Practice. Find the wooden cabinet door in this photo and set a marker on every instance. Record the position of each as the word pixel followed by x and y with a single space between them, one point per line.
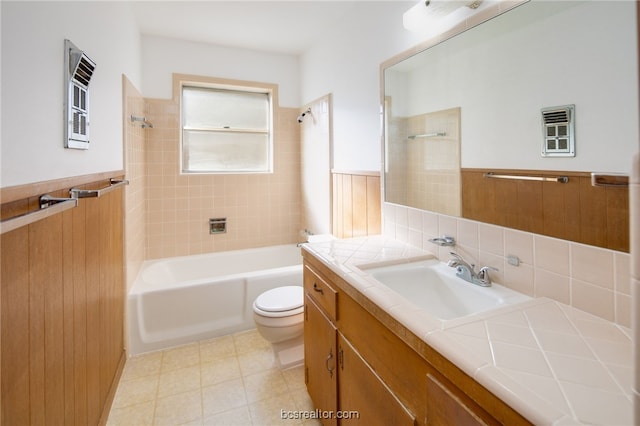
pixel 363 397
pixel 320 359
pixel 445 407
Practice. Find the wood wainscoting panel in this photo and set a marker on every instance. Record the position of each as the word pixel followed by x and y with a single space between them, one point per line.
pixel 575 210
pixel 62 315
pixel 356 204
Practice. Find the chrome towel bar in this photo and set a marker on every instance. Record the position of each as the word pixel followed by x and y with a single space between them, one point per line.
pixel 428 135
pixel 48 207
pixel 560 179
pixel 93 193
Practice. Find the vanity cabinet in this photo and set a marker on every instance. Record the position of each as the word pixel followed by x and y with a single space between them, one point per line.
pixel 340 382
pixel 384 372
pixel 363 397
pixel 446 407
pixel 320 357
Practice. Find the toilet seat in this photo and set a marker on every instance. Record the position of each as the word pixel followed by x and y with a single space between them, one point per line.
pixel 280 302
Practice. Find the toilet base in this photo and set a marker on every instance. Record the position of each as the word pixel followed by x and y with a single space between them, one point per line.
pixel 290 353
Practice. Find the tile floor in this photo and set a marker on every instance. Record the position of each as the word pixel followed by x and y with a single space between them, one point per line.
pixel 231 380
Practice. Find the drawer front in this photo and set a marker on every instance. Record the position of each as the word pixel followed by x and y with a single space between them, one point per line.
pixel 320 291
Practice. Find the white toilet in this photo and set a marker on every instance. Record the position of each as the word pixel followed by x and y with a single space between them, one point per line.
pixel 279 316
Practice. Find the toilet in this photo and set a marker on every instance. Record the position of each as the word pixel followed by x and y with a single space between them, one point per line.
pixel 279 315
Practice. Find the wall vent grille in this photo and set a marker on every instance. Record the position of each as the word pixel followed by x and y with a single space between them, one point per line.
pixel 78 72
pixel 558 131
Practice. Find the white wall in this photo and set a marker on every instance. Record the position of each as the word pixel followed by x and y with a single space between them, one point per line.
pixel 346 64
pixel 161 57
pixel 542 54
pixel 33 36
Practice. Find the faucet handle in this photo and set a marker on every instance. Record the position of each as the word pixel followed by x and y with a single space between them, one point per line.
pixel 483 274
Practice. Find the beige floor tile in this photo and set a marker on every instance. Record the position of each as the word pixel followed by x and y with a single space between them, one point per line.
pixel 256 361
pixel 295 378
pixel 235 417
pixel 231 380
pixel 223 397
pixel 218 371
pixel 142 365
pixel 138 414
pixel 179 409
pixel 264 385
pixel 181 356
pixel 136 391
pixel 248 341
pixel 215 349
pixel 274 411
pixel 302 400
pixel 177 381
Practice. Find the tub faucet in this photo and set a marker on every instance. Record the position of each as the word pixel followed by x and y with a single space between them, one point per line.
pixel 467 271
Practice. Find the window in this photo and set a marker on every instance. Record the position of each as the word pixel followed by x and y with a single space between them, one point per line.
pixel 226 130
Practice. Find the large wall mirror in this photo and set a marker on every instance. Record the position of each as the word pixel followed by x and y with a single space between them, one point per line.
pixel 476 103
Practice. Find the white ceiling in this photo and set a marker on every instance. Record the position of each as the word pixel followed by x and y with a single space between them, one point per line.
pixel 288 27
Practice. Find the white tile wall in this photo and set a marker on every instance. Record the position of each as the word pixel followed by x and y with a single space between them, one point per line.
pixel 589 278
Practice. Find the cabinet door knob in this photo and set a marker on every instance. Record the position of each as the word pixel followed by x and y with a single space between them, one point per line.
pixel 326 364
pixel 317 288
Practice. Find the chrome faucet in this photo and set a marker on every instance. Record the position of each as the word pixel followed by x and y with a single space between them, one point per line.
pixel 467 271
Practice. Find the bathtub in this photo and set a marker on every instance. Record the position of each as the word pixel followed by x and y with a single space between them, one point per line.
pixel 184 299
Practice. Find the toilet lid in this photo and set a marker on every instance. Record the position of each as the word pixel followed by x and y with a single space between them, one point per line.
pixel 281 299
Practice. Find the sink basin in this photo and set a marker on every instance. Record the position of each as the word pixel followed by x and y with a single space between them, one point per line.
pixel 433 286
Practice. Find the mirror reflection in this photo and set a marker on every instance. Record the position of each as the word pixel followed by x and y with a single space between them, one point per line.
pixel 477 100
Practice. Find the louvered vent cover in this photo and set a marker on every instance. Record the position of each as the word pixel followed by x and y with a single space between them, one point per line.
pixel 558 131
pixel 78 72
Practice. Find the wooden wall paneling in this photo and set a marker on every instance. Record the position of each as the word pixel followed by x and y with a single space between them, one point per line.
pixel 478 198
pixel 359 203
pixel 592 214
pixel 46 286
pixel 347 206
pixel 337 205
pixel 506 209
pixel 37 269
pixel 79 278
pixel 113 299
pixel 15 328
pixel 356 204
pixel 103 227
pixel 570 210
pixel 575 211
pixel 68 317
pixel 555 210
pixel 92 248
pixel 618 218
pixel 374 203
pixel 529 206
pixel 62 311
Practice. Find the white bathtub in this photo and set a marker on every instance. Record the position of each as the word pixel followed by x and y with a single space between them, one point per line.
pixel 183 299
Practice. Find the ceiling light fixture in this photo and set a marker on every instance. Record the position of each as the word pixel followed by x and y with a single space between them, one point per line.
pixel 433 17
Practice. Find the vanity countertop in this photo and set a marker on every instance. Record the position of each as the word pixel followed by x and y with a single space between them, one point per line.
pixel 554 364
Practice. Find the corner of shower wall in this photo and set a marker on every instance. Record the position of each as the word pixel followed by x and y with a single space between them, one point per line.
pixel 135 192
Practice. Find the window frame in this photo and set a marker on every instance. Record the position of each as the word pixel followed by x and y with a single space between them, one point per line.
pixel 228 85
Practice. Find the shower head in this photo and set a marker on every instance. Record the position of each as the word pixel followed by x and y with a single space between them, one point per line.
pixel 301 116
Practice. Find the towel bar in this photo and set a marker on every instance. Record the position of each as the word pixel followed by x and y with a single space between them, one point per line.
pixel 48 207
pixel 560 179
pixel 93 193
